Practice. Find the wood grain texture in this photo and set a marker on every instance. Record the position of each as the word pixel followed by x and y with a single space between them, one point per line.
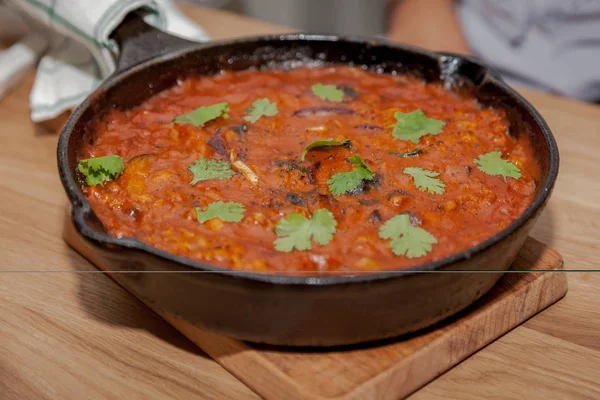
pixel 389 370
pixel 71 336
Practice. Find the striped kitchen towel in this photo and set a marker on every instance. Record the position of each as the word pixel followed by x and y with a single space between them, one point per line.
pixel 72 39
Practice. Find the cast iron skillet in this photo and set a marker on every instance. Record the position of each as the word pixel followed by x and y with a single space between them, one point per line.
pixel 297 310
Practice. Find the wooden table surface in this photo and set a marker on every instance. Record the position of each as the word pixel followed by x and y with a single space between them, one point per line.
pixel 66 335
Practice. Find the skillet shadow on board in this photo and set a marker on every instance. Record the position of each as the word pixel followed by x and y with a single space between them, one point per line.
pixel 106 301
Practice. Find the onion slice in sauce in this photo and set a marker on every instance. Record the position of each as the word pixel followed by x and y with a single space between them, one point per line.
pixel 242 168
pixel 323 111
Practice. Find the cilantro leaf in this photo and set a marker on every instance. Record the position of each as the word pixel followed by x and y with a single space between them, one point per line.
pixel 293 232
pixel 227 212
pixel 260 108
pixel 358 162
pixel 323 226
pixel 328 92
pixel 493 164
pixel 202 115
pixel 296 231
pixel 204 170
pixel 406 239
pixel 411 126
pixel 98 170
pixel 425 180
pixel 323 143
pixel 343 182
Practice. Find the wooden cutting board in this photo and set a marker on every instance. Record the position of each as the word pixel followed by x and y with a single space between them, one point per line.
pixel 387 370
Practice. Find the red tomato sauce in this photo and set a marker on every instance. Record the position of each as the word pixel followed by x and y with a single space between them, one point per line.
pixel 153 200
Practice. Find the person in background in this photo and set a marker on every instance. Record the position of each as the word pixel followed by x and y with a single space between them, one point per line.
pixel 553 45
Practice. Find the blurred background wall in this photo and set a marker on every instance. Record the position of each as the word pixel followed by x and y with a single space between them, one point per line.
pixel 360 17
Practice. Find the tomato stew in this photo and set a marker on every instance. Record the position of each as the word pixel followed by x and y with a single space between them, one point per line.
pixel 452 201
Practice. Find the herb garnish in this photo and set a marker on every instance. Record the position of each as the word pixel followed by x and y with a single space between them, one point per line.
pixel 425 180
pixel 323 143
pixel 296 231
pixel 98 170
pixel 202 115
pixel 261 108
pixel 410 154
pixel 493 164
pixel 328 92
pixel 406 239
pixel 227 212
pixel 343 182
pixel 205 170
pixel 411 126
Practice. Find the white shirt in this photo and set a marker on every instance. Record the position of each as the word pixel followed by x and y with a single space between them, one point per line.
pixel 549 44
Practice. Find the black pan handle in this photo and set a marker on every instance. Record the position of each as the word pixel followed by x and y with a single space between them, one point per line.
pixel 138 41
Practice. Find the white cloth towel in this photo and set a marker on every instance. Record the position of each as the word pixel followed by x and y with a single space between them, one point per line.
pixel 70 38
